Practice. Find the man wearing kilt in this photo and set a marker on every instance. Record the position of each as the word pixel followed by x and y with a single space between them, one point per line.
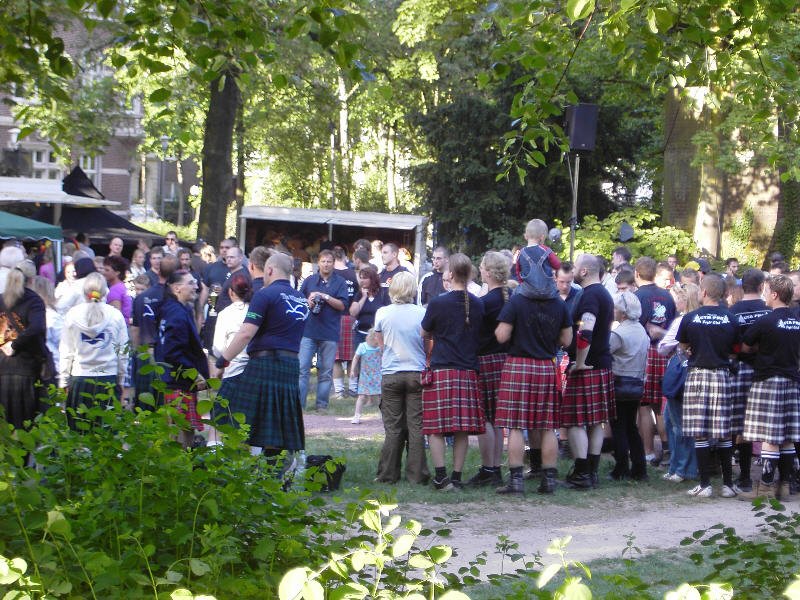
pixel 494 269
pixel 268 390
pixel 658 310
pixel 708 335
pixel 589 391
pixel 773 406
pixel 346 348
pixel 746 311
pixel 530 393
pixel 451 404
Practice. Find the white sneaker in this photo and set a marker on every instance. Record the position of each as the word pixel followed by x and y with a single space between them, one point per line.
pixel 701 492
pixel 355 420
pixel 673 477
pixel 727 492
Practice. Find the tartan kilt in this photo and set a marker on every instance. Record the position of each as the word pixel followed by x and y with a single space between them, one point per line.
pixel 452 403
pixel 654 375
pixel 773 411
pixel 19 399
pixel 707 404
pixel 588 398
pixel 84 388
pixel 490 368
pixel 267 393
pixel 529 395
pixel 345 350
pixel 740 389
pixel 186 403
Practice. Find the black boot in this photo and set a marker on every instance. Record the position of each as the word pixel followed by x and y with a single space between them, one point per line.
pixel 548 484
pixel 516 483
pixel 535 462
pixel 484 477
pixel 594 469
pixel 579 477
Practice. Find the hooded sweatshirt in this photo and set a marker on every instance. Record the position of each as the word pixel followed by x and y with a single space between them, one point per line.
pixel 93 350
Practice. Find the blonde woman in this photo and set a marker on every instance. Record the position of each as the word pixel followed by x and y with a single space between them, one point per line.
pixel 22 346
pixel 92 359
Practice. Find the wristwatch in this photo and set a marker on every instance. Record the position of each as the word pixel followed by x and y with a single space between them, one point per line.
pixel 326 297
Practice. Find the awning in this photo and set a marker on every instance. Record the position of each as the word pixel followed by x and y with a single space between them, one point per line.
pixel 21 228
pixel 333 217
pixel 43 191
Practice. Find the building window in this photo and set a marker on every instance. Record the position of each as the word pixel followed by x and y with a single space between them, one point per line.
pixel 91 166
pixel 45 165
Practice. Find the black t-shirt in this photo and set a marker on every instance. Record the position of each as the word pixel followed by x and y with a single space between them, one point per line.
pixel 658 307
pixel 537 325
pixel 455 344
pixel 493 303
pixel 777 335
pixel 711 333
pixel 597 301
pixel 366 317
pixel 746 312
pixel 224 300
pixel 386 280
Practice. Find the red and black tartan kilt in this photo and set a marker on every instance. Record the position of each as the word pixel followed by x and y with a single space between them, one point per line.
pixel 186 403
pixel 656 365
pixel 530 394
pixel 490 368
pixel 588 398
pixel 345 350
pixel 452 403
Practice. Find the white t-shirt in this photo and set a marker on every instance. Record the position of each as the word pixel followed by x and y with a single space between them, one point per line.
pixel 229 322
pixel 402 342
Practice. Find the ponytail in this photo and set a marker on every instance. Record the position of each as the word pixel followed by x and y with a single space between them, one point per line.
pixel 15 288
pixel 94 290
pixel 466 307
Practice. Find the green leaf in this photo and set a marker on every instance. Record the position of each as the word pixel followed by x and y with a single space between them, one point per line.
pixel 104 7
pixel 454 595
pixel 204 406
pixel 199 567
pixel 579 9
pixel 372 519
pixel 159 95
pixel 180 18
pixel 440 554
pixel 349 591
pixel 327 37
pixel 418 561
pixel 576 590
pixel 57 524
pixel 291 585
pixel 547 574
pixel 402 545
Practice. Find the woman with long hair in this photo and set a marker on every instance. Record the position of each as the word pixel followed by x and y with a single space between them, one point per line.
pixel 452 403
pixel 92 356
pixel 495 270
pixel 178 345
pixel 55 321
pixel 23 328
pixel 403 360
pixel 229 322
pixel 363 310
pixel 682 459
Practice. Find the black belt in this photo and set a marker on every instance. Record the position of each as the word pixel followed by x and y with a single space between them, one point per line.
pixel 273 353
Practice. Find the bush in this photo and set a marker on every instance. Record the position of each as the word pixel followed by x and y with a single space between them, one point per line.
pixel 121 510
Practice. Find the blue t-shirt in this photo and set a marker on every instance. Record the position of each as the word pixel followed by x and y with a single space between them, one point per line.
pixel 537 325
pixel 493 303
pixel 145 306
pixel 658 307
pixel 216 273
pixel 455 344
pixel 324 325
pixel 279 311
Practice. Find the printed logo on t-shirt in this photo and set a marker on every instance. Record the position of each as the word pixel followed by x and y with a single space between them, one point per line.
pixel 101 340
pixel 749 317
pixel 707 319
pixel 295 306
pixel 659 313
pixel 789 324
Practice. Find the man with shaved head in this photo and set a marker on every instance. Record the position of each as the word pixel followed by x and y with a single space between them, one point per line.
pixel 589 393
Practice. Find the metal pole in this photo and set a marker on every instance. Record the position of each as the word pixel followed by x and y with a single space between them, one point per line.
pixel 573 221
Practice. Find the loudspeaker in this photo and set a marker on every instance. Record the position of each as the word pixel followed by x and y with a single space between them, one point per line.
pixel 582 126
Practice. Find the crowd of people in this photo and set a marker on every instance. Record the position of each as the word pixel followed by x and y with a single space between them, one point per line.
pixel 537 357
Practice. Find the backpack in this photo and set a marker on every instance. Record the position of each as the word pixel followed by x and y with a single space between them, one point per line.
pixel 537 285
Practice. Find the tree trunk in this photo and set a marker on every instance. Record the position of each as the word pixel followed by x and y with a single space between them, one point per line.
pixel 391 163
pixel 241 157
pixel 181 191
pixel 344 144
pixel 217 158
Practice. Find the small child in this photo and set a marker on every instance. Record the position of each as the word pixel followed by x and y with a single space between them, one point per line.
pixel 528 260
pixel 367 366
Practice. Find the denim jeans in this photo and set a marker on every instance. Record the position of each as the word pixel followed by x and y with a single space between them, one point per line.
pixel 326 355
pixel 683 459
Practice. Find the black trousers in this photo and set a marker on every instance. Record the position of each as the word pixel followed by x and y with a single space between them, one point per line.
pixel 628 447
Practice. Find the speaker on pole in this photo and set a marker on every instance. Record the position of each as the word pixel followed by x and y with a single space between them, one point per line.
pixel 582 126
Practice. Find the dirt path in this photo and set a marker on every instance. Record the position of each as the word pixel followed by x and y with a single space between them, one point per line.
pixel 597 532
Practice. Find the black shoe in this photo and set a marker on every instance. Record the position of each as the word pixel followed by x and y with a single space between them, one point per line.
pixel 640 477
pixel 483 478
pixel 533 473
pixel 743 486
pixel 516 485
pixel 619 475
pixel 457 484
pixel 548 483
pixel 442 484
pixel 579 481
